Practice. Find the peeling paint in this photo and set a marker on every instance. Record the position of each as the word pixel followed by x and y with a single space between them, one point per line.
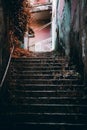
pixel 63 24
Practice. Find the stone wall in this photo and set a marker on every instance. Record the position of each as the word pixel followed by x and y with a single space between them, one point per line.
pixel 78 37
pixel 4 46
pixel 71 29
pixel 14 21
pixel 75 43
pixel 83 34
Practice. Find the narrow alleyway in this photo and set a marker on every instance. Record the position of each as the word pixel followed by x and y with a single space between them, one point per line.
pixel 41 23
pixel 42 40
pixel 48 89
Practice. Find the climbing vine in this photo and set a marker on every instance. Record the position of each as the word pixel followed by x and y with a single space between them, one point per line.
pixel 19 17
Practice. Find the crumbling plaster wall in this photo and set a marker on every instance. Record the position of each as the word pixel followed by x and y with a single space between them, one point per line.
pixel 62 21
pixel 83 34
pixel 71 21
pixel 78 35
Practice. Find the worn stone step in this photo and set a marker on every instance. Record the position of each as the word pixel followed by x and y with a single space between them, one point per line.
pixel 38 64
pixel 49 71
pixel 40 61
pixel 46 81
pixel 47 126
pixel 45 64
pixel 48 87
pixel 71 71
pixel 39 58
pixel 27 93
pixel 44 108
pixel 42 76
pixel 42 71
pixel 46 118
pixel 24 68
pixel 44 90
pixel 42 64
pixel 48 66
pixel 50 100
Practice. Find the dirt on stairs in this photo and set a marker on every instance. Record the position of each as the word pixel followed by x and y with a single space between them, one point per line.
pixel 44 91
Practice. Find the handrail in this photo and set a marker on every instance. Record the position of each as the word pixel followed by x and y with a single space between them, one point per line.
pixel 4 76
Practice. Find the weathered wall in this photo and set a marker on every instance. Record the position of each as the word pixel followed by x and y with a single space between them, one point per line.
pixel 71 34
pixel 75 43
pixel 78 35
pixel 1 30
pixel 64 25
pixel 14 21
pixel 4 46
pixel 83 34
pixel 62 19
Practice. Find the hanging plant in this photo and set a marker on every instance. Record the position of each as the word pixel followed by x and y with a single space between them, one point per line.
pixel 19 16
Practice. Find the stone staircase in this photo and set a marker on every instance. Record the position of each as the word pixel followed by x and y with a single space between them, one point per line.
pixel 44 91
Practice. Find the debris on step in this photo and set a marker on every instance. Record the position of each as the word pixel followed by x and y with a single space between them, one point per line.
pixel 19 52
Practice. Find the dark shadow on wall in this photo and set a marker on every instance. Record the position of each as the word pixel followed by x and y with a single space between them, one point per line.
pixel 4 45
pixel 76 52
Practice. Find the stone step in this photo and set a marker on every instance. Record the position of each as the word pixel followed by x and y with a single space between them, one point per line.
pixel 44 108
pixel 46 81
pixel 44 90
pixel 49 72
pixel 46 118
pixel 27 93
pixel 40 60
pixel 50 100
pixel 42 76
pixel 45 64
pixel 49 87
pixel 24 68
pixel 47 126
pixel 40 64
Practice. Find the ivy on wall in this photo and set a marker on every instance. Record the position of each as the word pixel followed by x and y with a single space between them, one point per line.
pixel 19 17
